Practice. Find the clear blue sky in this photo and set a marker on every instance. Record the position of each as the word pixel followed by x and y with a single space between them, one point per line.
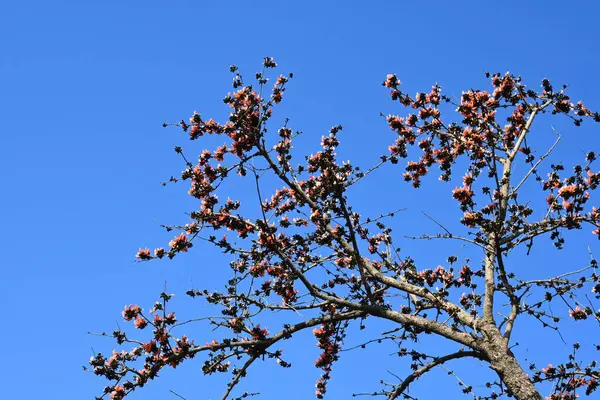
pixel 86 85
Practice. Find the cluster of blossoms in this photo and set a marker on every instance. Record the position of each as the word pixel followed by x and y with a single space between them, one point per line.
pixel 443 143
pixel 178 244
pixel 249 112
pixel 326 336
pixel 580 314
pixel 568 196
pixel 306 249
pixel 491 147
pixel 569 378
pixel 464 195
pixel 161 350
pixel 431 277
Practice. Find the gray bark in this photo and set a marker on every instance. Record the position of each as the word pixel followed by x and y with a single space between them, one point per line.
pixel 509 370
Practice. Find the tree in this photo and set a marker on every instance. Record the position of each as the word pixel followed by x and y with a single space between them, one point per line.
pixel 306 248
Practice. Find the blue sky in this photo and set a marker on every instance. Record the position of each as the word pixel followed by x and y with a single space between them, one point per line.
pixel 86 86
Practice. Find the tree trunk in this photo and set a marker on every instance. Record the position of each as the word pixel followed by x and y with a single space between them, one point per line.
pixel 510 372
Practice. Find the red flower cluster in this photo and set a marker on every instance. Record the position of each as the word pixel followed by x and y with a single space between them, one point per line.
pixel 464 195
pixel 471 219
pixel 180 243
pixel 578 314
pixel 118 393
pixel 568 191
pixel 431 277
pixel 305 246
pixel 144 254
pixel 549 370
pixel 327 343
pixel 140 322
pixel 130 312
pixel 391 81
pixel 259 334
pixel 159 252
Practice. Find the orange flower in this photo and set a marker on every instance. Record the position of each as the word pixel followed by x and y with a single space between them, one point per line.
pixel 259 334
pixel 462 194
pixel 471 219
pixel 180 243
pixel 130 312
pixel 567 191
pixel 118 393
pixel 549 370
pixel 578 314
pixel 391 81
pixel 150 347
pixel 143 254
pixel 140 322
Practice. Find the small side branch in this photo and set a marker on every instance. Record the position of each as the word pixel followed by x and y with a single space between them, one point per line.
pixel 428 367
pixel 239 375
pixel 534 167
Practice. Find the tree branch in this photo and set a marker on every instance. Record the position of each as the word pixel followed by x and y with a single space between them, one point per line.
pixel 429 366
